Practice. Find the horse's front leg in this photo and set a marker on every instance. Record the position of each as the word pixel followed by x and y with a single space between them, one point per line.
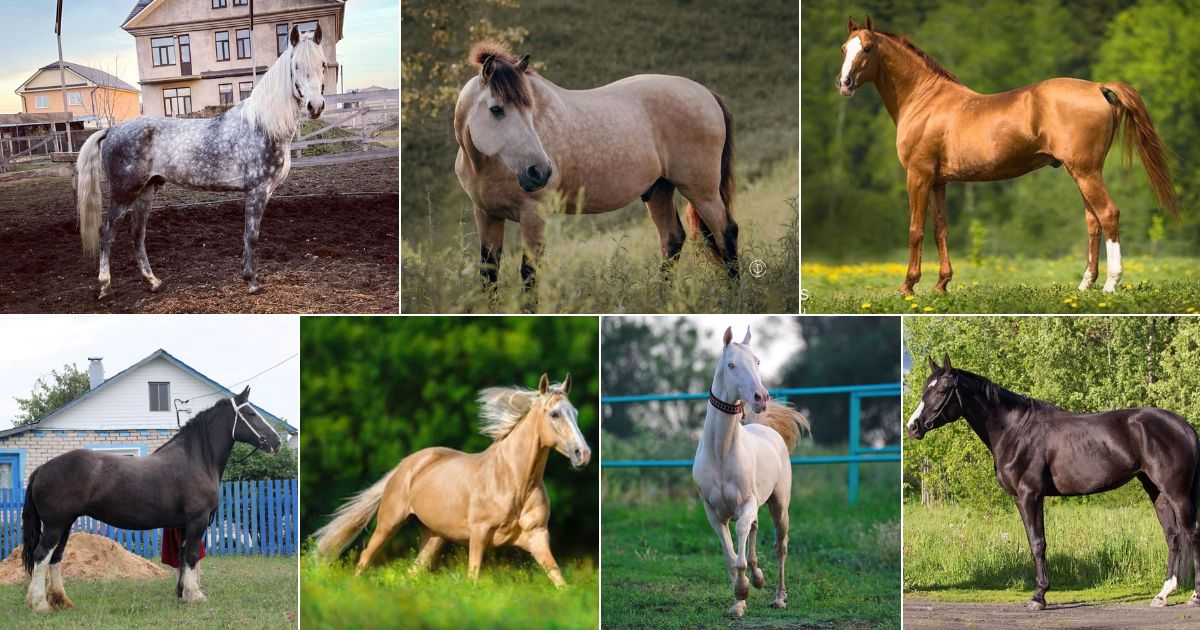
pixel 1031 508
pixel 481 537
pixel 537 543
pixel 918 199
pixel 721 527
pixel 937 205
pixel 746 517
pixel 256 204
pixel 532 227
pixel 491 243
pixel 188 586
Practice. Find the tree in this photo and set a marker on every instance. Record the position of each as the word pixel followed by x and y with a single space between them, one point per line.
pixel 245 467
pixel 108 104
pixel 50 392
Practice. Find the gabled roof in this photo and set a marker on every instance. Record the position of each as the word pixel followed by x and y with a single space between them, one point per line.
pixel 99 77
pixel 137 8
pixel 157 354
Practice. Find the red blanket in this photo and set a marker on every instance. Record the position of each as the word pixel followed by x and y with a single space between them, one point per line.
pixel 172 541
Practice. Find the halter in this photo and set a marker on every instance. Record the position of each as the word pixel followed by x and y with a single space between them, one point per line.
pixel 732 409
pixel 237 410
pixel 941 408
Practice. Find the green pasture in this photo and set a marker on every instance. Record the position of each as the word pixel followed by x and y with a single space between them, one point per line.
pixel 1003 285
pixel 243 592
pixel 511 592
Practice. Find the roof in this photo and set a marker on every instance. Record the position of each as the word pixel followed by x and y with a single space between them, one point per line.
pixel 137 8
pixel 14 120
pixel 157 354
pixel 99 77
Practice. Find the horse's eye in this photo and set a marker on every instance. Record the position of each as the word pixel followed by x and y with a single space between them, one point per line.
pixel 758 362
pixel 731 366
pixel 554 414
pixel 496 110
pixel 868 49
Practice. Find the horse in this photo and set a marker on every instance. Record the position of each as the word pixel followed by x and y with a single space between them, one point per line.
pixel 946 132
pixel 739 467
pixel 481 500
pixel 176 486
pixel 246 149
pixel 1041 450
pixel 647 135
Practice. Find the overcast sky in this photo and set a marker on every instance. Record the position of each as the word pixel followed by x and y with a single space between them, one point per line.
pixel 92 36
pixel 772 350
pixel 225 348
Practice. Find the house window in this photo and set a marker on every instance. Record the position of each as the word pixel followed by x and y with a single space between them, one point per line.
pixel 226 90
pixel 307 27
pixel 160 396
pixel 243 43
pixel 222 38
pixel 219 4
pixel 244 89
pixel 7 471
pixel 128 451
pixel 75 98
pixel 41 101
pixel 177 101
pixel 281 38
pixel 239 3
pixel 162 51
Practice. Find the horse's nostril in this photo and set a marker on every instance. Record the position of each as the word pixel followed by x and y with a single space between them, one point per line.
pixel 534 173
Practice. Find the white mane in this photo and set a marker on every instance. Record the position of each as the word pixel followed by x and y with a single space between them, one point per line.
pixel 503 407
pixel 271 105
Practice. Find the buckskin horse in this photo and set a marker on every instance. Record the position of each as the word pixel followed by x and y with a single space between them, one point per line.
pixel 946 132
pixel 1041 450
pixel 643 136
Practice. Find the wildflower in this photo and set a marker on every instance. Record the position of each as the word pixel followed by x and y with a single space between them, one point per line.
pixel 866 305
pixel 928 309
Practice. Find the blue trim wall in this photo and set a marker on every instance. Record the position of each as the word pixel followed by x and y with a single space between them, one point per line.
pixel 19 468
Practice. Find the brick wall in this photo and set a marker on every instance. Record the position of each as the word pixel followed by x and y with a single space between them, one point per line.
pixel 42 446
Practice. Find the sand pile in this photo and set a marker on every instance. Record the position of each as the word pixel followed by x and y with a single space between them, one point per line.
pixel 88 557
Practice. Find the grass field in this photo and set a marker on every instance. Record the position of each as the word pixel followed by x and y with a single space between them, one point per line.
pixel 243 592
pixel 510 593
pixel 663 567
pixel 1159 285
pixel 1094 554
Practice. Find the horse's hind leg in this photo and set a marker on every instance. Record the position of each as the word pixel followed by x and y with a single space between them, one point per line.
pixel 141 215
pixel 1092 270
pixel 256 204
pixel 660 202
pixel 431 544
pixel 1095 195
pixel 42 555
pixel 393 511
pixel 712 220
pixel 779 514
pixel 55 594
pixel 107 224
pixel 1170 527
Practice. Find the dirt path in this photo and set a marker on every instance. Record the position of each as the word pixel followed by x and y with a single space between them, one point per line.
pixel 927 614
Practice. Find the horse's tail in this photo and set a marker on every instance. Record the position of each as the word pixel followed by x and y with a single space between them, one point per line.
pixel 87 191
pixel 351 518
pixel 31 527
pixel 786 421
pixel 1186 546
pixel 1133 119
pixel 726 185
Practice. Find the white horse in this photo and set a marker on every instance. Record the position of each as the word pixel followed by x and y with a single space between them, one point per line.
pixel 740 467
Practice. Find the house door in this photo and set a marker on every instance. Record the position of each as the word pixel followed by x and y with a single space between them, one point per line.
pixel 185 55
pixel 10 480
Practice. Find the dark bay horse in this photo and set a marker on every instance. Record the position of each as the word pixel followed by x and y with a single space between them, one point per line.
pixel 247 149
pixel 947 132
pixel 1041 450
pixel 176 486
pixel 643 136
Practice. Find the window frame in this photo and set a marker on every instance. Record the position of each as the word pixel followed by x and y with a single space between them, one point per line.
pixel 158 51
pixel 217 44
pixel 155 395
pixel 41 101
pixel 243 95
pixel 238 39
pixel 220 4
pixel 224 89
pixel 281 38
pixel 75 98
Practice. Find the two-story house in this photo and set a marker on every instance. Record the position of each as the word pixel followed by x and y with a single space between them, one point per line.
pixel 197 53
pixel 93 96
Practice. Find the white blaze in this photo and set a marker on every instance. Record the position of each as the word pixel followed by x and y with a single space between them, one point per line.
pixel 912 420
pixel 853 47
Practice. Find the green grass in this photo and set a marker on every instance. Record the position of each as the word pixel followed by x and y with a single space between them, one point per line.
pixel 243 592
pixel 508 594
pixel 611 264
pixel 1150 285
pixel 1093 553
pixel 663 567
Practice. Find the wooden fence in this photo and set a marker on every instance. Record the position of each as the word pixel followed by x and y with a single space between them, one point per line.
pixel 253 518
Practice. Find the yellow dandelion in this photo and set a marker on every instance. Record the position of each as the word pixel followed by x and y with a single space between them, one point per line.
pixel 928 309
pixel 908 298
pixel 1102 304
pixel 866 305
pixel 914 306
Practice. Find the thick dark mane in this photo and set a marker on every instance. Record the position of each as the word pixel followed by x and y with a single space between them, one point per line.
pixel 506 81
pixel 995 394
pixel 197 428
pixel 930 62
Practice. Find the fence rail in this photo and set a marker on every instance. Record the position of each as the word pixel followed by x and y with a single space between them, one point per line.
pixel 252 518
pixel 857 455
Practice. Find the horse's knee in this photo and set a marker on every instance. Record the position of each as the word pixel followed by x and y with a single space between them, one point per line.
pixel 916 235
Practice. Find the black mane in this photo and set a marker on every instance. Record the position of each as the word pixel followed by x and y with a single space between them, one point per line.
pixel 197 429
pixel 997 394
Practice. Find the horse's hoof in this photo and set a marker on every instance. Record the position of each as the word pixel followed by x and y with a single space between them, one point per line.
pixel 779 603
pixel 1158 602
pixel 940 289
pixel 905 289
pixel 1036 605
pixel 59 601
pixel 1194 601
pixel 255 288
pixel 105 293
pixel 738 610
pixel 756 578
pixel 741 588
pixel 43 607
pixel 155 285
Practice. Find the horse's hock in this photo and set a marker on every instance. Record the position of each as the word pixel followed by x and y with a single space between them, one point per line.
pixel 88 557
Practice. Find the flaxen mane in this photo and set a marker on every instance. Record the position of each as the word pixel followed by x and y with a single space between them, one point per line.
pixel 930 62
pixel 499 72
pixel 502 408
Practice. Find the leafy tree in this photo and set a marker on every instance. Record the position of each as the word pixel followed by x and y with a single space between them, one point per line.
pixel 261 466
pixel 50 392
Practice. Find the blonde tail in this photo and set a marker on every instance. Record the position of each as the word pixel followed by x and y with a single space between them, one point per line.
pixel 351 518
pixel 787 422
pixel 87 190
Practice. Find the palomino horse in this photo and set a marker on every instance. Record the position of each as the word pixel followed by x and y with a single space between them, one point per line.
pixel 643 136
pixel 247 148
pixel 1042 450
pixel 739 467
pixel 946 132
pixel 176 486
pixel 481 500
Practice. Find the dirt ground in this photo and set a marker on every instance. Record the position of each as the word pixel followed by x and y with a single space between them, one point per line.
pixel 88 557
pixel 945 615
pixel 334 251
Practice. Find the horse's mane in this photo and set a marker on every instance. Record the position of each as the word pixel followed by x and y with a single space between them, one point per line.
pixel 262 107
pixel 995 393
pixel 507 82
pixel 197 429
pixel 502 408
pixel 930 62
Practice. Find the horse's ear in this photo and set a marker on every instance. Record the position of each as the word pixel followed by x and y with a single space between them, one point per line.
pixel 947 365
pixel 294 36
pixel 317 34
pixel 566 386
pixel 544 384
pixel 746 341
pixel 487 68
pixel 933 366
pixel 523 64
pixel 728 335
pixel 850 25
pixel 244 396
pixel 870 25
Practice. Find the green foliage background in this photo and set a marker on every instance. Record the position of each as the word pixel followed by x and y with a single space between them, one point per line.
pixel 376 389
pixel 1082 364
pixel 855 205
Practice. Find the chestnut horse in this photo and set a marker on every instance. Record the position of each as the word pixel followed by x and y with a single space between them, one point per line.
pixel 481 500
pixel 643 136
pixel 946 132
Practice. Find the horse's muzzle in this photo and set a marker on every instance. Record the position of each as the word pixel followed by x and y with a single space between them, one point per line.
pixel 845 88
pixel 314 110
pixel 535 177
pixel 580 457
pixel 914 431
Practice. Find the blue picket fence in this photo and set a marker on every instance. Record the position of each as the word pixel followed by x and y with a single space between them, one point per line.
pixel 253 518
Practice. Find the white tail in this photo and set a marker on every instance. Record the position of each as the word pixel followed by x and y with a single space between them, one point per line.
pixel 87 191
pixel 350 519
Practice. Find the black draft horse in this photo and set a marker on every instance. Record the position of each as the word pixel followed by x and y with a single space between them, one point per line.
pixel 1042 450
pixel 178 485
